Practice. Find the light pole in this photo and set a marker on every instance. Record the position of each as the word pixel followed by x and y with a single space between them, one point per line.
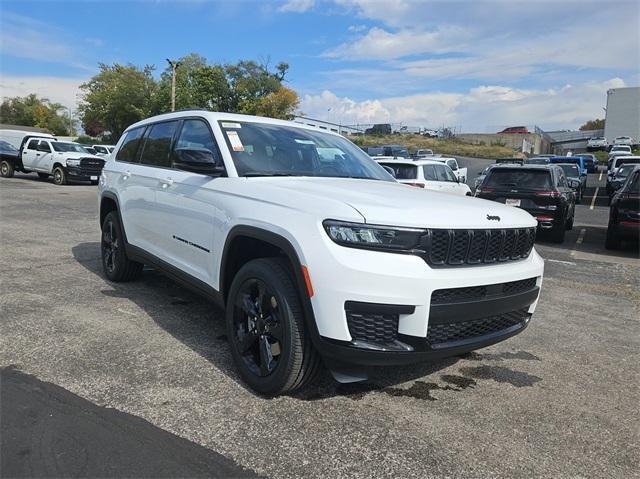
pixel 174 65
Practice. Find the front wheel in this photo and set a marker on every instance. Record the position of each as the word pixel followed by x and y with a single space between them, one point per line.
pixel 265 325
pixel 59 176
pixel 6 169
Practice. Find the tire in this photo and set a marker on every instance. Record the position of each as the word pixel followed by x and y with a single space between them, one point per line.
pixel 579 196
pixel 6 169
pixel 569 224
pixel 59 176
pixel 43 176
pixel 116 265
pixel 272 357
pixel 612 241
pixel 558 233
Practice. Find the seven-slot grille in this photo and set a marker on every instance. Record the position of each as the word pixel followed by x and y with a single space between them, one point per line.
pixel 440 334
pixel 473 293
pixel 91 166
pixel 467 247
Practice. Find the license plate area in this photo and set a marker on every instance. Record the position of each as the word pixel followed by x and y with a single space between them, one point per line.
pixel 512 202
pixel 94 178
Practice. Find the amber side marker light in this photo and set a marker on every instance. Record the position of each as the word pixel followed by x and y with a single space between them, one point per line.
pixel 307 281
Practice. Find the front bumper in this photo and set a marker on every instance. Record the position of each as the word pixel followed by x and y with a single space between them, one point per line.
pixel 77 173
pixel 404 282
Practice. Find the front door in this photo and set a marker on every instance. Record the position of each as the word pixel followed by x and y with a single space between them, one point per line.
pixel 43 160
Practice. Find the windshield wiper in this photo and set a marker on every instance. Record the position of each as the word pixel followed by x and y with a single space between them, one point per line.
pixel 251 174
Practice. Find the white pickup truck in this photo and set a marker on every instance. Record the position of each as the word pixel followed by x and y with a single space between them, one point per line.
pixel 65 161
pixel 461 173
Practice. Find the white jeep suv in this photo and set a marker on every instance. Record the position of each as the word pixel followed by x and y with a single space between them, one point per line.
pixel 317 253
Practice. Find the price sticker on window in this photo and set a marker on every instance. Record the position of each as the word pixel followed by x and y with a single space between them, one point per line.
pixel 234 139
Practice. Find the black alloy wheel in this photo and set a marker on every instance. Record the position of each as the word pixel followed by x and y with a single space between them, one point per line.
pixel 110 247
pixel 258 330
pixel 115 263
pixel 270 345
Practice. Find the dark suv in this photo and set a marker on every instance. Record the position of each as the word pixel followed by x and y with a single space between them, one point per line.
pixel 624 214
pixel 541 190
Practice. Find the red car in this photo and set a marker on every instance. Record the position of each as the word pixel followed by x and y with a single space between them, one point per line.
pixel 512 130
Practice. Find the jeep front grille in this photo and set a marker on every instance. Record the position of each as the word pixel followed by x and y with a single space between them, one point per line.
pixel 476 293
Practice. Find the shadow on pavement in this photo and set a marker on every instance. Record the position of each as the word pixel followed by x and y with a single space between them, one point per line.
pixel 199 324
pixel 48 431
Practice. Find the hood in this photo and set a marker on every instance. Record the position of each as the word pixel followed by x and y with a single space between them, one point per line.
pixel 391 203
pixel 76 155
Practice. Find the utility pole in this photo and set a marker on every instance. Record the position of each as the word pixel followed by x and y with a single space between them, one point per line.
pixel 174 65
pixel 70 122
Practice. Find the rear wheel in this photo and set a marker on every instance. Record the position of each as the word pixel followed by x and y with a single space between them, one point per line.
pixel 115 263
pixel 613 240
pixel 558 232
pixel 6 169
pixel 59 176
pixel 265 325
pixel 569 224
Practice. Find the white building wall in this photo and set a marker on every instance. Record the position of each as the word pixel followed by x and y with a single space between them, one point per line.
pixel 623 114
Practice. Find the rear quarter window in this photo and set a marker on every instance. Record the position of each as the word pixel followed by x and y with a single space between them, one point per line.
pixel 524 179
pixel 129 149
pixel 403 172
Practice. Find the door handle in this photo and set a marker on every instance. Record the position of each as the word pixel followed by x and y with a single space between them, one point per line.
pixel 37 154
pixel 126 175
pixel 166 182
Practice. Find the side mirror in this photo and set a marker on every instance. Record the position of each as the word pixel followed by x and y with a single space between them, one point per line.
pixel 197 160
pixel 389 170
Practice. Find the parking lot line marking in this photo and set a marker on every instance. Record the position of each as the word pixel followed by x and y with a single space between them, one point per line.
pixel 600 177
pixel 578 241
pixel 593 200
pixel 560 261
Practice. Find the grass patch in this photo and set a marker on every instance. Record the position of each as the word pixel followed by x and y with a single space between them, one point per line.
pixel 438 145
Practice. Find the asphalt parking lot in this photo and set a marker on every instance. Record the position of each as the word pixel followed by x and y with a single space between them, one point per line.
pixel 102 379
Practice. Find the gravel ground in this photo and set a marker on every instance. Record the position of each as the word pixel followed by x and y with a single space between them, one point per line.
pixel 560 399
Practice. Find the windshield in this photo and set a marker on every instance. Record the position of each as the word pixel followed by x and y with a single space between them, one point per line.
pixel 402 171
pixel 59 146
pixel 624 171
pixel 570 171
pixel 524 179
pixel 262 149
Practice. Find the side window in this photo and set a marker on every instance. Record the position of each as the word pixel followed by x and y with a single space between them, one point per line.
pixel 195 144
pixel 44 146
pixel 129 149
pixel 157 145
pixel 430 173
pixel 100 149
pixel 453 164
pixel 444 173
pixel 562 180
pixel 33 145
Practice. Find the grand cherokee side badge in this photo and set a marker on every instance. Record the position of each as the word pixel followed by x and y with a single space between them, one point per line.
pixel 493 218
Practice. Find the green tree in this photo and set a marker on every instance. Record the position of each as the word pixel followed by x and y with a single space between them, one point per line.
pixel 280 104
pixel 117 97
pixel 597 124
pixel 39 112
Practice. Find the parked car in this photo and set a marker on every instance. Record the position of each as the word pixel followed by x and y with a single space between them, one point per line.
pixel 427 174
pixel 481 176
pixel 574 178
pixel 597 143
pixel 379 129
pixel 423 153
pixel 103 150
pixel 513 161
pixel 543 191
pixel 624 212
pixel 590 162
pixel 616 180
pixel 617 163
pixel 619 150
pixel 374 150
pixel 623 140
pixel 90 149
pixel 65 161
pixel 320 257
pixel 578 160
pixel 431 133
pixel 513 130
pixel 461 173
pixel 398 151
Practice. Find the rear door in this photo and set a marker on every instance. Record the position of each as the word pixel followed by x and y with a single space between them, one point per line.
pixel 431 180
pixel 446 178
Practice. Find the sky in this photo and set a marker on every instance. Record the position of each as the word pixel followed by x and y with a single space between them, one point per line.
pixel 477 66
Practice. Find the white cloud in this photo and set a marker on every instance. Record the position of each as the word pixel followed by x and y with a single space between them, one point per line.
pixel 58 90
pixel 357 28
pixel 24 37
pixel 297 6
pixel 379 44
pixel 479 109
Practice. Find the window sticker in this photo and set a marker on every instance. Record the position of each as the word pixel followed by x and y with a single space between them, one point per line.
pixel 231 125
pixel 234 139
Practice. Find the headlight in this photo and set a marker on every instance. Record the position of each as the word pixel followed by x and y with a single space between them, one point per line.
pixel 387 238
pixel 73 162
